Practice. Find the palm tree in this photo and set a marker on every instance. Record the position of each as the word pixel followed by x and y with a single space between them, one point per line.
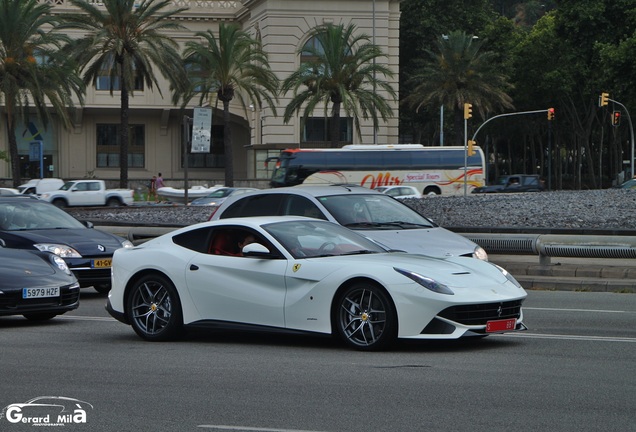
pixel 125 43
pixel 342 70
pixel 460 73
pixel 33 73
pixel 234 65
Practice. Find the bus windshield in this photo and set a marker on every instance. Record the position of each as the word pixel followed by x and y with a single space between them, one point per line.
pixel 432 170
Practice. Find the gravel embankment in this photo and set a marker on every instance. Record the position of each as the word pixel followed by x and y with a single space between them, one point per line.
pixel 613 209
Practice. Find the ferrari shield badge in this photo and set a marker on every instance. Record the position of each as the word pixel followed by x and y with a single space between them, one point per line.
pixel 296 267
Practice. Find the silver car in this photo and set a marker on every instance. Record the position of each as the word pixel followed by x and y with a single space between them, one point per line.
pixel 218 196
pixel 371 213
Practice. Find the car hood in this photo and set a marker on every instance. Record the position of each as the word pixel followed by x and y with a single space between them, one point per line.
pixel 86 241
pixel 424 241
pixel 21 263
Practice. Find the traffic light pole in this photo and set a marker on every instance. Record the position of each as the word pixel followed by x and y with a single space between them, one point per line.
pixel 503 115
pixel 631 131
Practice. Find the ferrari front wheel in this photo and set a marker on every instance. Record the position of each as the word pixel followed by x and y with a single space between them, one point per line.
pixel 154 309
pixel 365 318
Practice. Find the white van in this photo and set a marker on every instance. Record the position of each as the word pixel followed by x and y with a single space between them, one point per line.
pixel 40 186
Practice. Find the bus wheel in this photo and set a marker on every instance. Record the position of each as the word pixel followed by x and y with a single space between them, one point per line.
pixel 432 191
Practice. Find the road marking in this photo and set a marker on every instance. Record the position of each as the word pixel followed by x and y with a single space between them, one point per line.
pixel 85 318
pixel 256 429
pixel 578 310
pixel 568 337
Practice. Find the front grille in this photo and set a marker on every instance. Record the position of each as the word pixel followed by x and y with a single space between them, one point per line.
pixel 92 275
pixel 479 314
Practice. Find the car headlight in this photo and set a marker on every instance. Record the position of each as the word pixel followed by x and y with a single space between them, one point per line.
pixel 60 263
pixel 127 244
pixel 428 283
pixel 60 250
pixel 508 276
pixel 480 253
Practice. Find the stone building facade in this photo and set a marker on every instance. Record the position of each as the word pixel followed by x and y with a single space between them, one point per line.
pixel 89 149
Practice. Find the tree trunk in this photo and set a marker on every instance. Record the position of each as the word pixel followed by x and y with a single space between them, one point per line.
pixel 13 149
pixel 334 128
pixel 124 135
pixel 227 145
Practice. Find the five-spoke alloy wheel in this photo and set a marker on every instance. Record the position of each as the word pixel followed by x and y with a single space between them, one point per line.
pixel 153 308
pixel 365 318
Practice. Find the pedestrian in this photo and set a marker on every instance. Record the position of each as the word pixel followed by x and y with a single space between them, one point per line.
pixel 158 184
pixel 152 189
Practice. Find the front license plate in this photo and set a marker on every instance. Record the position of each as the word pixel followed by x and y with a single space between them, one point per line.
pixel 28 293
pixel 501 325
pixel 101 263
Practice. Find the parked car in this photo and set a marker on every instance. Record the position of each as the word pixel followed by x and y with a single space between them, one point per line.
pixel 399 191
pixel 513 183
pixel 88 193
pixel 30 223
pixel 40 186
pixel 218 196
pixel 373 214
pixel 629 184
pixel 37 285
pixel 309 275
pixel 9 191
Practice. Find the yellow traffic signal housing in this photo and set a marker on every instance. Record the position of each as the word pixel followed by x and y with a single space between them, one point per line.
pixel 468 111
pixel 471 148
pixel 550 113
pixel 604 99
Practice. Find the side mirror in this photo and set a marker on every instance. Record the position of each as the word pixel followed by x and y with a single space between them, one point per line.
pixel 256 250
pixel 88 224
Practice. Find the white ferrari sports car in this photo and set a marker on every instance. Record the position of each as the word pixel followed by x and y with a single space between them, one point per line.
pixel 301 274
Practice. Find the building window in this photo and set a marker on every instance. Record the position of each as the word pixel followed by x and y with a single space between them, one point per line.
pixel 316 129
pixel 103 83
pixel 214 159
pixel 108 140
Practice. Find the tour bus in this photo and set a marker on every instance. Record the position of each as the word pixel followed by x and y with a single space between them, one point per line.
pixel 444 170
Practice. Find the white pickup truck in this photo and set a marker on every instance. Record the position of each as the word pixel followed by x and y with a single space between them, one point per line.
pixel 83 193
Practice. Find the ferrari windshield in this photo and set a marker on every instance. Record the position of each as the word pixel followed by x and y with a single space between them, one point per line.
pixel 373 211
pixel 311 238
pixel 34 214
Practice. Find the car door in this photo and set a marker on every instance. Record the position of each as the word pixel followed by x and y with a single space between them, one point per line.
pixel 85 193
pixel 238 289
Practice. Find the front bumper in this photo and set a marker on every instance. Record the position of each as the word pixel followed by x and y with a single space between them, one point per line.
pixel 12 303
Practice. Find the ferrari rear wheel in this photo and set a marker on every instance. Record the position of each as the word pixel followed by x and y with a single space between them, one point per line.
pixel 365 317
pixel 154 309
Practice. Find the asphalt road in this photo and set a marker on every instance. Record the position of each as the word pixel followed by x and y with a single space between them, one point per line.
pixel 574 370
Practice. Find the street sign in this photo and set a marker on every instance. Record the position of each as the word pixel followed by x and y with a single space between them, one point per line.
pixel 201 130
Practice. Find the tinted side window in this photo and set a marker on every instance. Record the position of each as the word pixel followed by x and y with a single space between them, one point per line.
pixel 301 206
pixel 196 240
pixel 258 205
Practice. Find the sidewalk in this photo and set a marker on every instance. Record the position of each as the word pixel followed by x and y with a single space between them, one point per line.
pixel 571 274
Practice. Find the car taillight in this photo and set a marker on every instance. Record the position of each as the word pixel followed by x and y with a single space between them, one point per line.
pixel 213 211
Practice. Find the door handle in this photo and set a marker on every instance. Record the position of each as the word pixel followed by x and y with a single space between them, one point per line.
pixel 194 267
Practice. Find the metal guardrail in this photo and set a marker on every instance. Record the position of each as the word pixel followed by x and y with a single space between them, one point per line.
pixel 544 245
pixel 556 245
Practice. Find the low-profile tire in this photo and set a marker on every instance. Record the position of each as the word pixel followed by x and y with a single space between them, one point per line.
pixel 102 289
pixel 154 309
pixel 40 316
pixel 365 318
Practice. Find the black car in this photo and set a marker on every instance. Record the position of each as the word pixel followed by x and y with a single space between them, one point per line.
pixel 514 183
pixel 38 285
pixel 29 223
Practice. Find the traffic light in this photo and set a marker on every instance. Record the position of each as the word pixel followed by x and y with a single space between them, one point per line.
pixel 468 111
pixel 604 99
pixel 616 118
pixel 471 149
pixel 550 113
